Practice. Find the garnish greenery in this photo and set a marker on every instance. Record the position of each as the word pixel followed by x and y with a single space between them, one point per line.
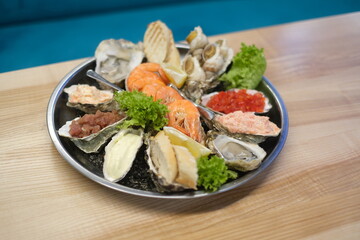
pixel 248 67
pixel 141 110
pixel 213 173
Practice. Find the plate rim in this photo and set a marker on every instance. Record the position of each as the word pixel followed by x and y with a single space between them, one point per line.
pixel 181 195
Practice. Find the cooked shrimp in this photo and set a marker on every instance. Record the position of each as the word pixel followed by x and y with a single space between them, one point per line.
pixel 185 117
pixel 167 95
pixel 144 74
pixel 151 89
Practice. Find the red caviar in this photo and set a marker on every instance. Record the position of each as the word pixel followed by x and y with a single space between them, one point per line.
pixel 231 101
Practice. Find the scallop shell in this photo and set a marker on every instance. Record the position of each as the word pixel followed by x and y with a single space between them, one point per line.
pixel 93 142
pixel 120 153
pixel 238 155
pixel 89 99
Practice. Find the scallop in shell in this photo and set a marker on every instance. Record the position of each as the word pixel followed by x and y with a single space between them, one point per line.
pixel 93 142
pixel 120 153
pixel 238 155
pixel 89 99
pixel 116 58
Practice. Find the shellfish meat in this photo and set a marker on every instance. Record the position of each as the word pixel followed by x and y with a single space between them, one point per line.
pixel 89 99
pixel 93 142
pixel 238 155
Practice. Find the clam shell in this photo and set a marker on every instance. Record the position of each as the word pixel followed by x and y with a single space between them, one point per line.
pixel 93 142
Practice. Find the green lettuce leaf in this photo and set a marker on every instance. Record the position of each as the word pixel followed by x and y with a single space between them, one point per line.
pixel 248 67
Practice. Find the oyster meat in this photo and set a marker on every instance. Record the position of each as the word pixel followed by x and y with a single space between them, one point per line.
pixel 89 99
pixel 94 141
pixel 116 58
pixel 238 155
pixel 120 153
pixel 173 168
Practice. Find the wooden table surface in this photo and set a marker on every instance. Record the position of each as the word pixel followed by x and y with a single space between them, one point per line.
pixel 311 191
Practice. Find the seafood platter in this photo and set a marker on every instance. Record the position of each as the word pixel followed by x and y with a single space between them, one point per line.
pixel 168 120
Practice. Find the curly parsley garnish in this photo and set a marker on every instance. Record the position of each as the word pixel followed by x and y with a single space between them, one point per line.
pixel 213 173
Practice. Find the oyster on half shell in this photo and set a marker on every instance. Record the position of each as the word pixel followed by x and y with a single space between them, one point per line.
pixel 116 58
pixel 172 167
pixel 246 126
pixel 93 142
pixel 206 98
pixel 238 155
pixel 89 99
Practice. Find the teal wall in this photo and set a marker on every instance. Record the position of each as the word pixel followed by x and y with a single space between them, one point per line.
pixel 39 32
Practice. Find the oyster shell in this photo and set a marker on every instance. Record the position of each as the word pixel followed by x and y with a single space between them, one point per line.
pixel 206 98
pixel 120 153
pixel 172 167
pixel 116 58
pixel 238 155
pixel 246 126
pixel 93 142
pixel 89 99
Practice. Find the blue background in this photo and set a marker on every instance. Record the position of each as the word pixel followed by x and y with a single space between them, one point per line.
pixel 38 32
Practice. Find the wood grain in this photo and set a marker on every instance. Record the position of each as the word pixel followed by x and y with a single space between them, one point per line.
pixel 312 190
